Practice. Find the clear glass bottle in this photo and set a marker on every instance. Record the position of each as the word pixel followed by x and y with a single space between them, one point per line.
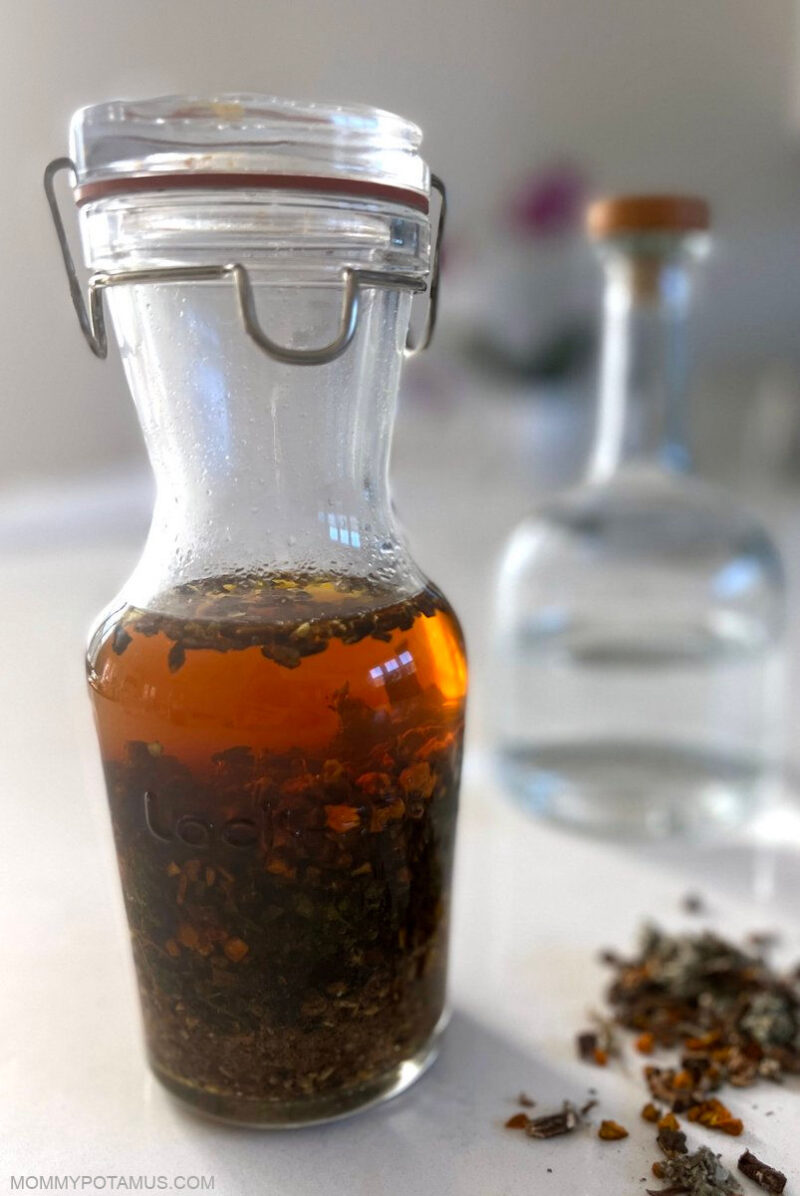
pixel 639 616
pixel 278 690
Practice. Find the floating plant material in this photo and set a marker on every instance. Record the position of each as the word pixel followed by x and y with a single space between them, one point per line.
pixel 768 1178
pixel 280 615
pixel 697 1174
pixel 282 760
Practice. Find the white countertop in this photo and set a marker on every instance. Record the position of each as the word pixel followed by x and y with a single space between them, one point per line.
pixel 533 905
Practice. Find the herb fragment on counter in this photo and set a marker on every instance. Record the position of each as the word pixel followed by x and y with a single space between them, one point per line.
pixel 716 1116
pixel 650 1112
pixel 587 1108
pixel 763 941
pixel 671 1142
pixel 598 1046
pixel 768 1178
pixel 676 1088
pixel 524 1100
pixel 588 1046
pixel 611 1131
pixel 519 1121
pixel 693 903
pixel 552 1125
pixel 645 1043
pixel 698 1174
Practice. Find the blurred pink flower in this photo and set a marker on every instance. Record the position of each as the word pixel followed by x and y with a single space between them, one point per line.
pixel 549 202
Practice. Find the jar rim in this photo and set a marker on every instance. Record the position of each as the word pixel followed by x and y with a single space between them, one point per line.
pixel 247 140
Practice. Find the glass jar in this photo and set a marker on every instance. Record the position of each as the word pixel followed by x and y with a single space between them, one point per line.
pixel 639 616
pixel 278 690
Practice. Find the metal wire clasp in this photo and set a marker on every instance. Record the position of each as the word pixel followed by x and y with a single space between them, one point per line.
pixel 92 317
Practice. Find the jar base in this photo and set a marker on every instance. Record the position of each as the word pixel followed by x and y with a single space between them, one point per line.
pixel 635 789
pixel 272 1115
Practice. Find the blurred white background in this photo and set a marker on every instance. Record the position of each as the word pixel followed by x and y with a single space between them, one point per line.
pixel 693 94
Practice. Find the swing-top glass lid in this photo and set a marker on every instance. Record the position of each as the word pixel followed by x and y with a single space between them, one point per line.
pixel 334 194
pixel 250 141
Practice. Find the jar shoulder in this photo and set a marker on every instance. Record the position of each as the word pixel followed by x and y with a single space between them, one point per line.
pixel 658 559
pixel 678 522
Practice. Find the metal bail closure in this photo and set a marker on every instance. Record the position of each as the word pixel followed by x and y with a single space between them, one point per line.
pixel 92 318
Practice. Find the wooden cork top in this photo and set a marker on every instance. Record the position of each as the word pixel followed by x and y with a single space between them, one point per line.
pixel 647 213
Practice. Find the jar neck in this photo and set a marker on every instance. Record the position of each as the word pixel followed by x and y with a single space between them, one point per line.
pixel 258 464
pixel 644 361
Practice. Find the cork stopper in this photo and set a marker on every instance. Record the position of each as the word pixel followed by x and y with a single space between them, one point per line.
pixel 620 214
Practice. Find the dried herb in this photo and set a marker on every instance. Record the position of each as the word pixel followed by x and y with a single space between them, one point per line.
pixel 611 1131
pixel 120 640
pixel 650 1112
pixel 278 614
pixel 587 1044
pixel 645 1043
pixel 597 1046
pixel 552 1125
pixel 288 893
pixel 671 1142
pixel 524 1100
pixel 768 1178
pixel 716 1116
pixel 763 941
pixel 732 1017
pixel 176 657
pixel 698 1174
pixel 518 1122
pixel 587 1108
pixel 677 1088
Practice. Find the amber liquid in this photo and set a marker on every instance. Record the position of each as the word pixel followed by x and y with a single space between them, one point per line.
pixel 282 762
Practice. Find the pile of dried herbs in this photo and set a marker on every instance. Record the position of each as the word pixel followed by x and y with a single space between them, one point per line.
pixel 733 1019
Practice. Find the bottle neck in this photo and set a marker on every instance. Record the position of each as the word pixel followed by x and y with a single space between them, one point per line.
pixel 258 464
pixel 644 363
